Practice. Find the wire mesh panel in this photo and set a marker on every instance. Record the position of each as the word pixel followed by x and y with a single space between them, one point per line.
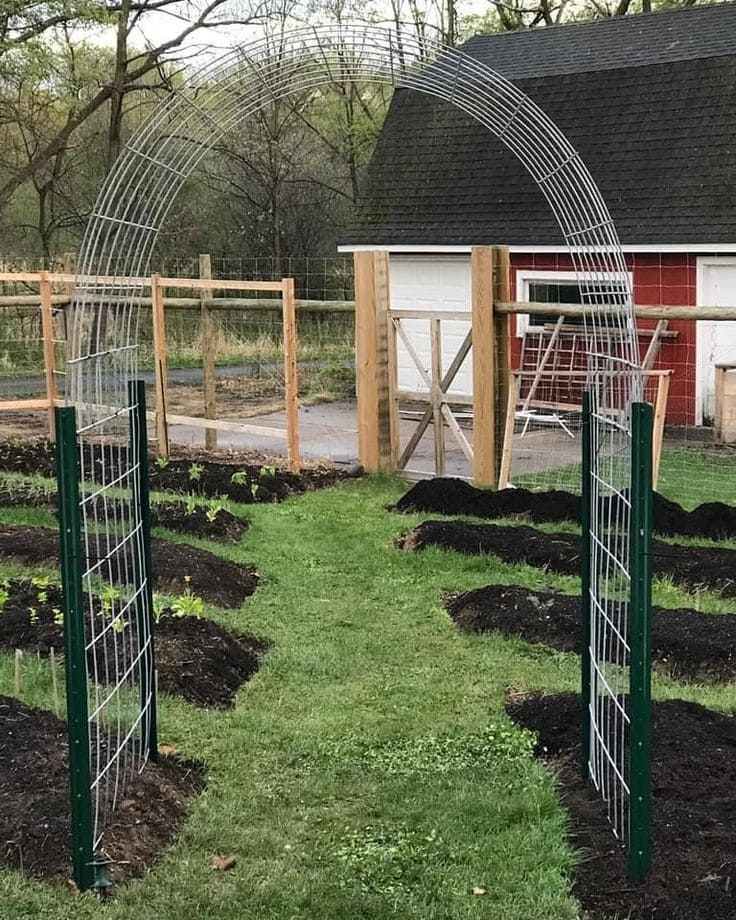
pixel 119 242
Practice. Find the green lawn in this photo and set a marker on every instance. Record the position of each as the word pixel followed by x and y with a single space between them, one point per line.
pixel 368 770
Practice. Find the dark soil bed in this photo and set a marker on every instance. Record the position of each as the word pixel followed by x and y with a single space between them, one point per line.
pixel 223 525
pixel 694 813
pixel 217 581
pixel 686 645
pixel 713 520
pixel 257 478
pixel 694 567
pixel 35 836
pixel 196 659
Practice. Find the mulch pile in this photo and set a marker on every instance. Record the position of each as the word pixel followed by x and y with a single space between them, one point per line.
pixel 712 520
pixel 686 645
pixel 35 836
pixel 196 659
pixel 217 581
pixel 694 812
pixel 695 567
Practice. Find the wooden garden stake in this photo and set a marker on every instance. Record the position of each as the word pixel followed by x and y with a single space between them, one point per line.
pixel 18 667
pixel 54 681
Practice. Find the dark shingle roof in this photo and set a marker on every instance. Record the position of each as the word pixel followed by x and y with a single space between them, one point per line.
pixel 649 102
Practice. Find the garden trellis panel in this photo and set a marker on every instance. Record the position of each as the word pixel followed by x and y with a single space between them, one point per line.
pixel 157 160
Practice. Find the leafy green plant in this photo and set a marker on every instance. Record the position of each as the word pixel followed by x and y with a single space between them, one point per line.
pixel 108 596
pixel 42 583
pixel 160 606
pixel 190 506
pixel 195 472
pixel 254 487
pixel 188 604
pixel 58 616
pixel 269 471
pixel 239 478
pixel 4 598
pixel 162 462
pixel 33 614
pixel 213 510
pixel 119 625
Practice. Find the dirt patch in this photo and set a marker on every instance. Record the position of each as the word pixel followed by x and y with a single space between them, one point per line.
pixel 208 523
pixel 35 836
pixel 695 567
pixel 204 663
pixel 694 831
pixel 245 477
pixel 217 581
pixel 686 645
pixel 196 659
pixel 713 520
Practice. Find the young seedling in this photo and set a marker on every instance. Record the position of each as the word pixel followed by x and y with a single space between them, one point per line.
pixel 195 472
pixel 240 478
pixel 213 510
pixel 162 462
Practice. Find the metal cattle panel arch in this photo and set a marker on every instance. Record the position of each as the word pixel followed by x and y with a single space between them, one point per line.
pixel 104 329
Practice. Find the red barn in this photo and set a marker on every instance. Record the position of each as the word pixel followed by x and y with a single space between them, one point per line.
pixel 648 101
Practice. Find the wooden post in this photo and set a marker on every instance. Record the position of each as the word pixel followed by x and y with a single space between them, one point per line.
pixel 383 359
pixel 372 360
pixel 49 348
pixel 393 386
pixel 207 327
pixel 504 471
pixel 436 396
pixel 502 341
pixel 484 423
pixel 159 364
pixel 290 373
pixel 660 411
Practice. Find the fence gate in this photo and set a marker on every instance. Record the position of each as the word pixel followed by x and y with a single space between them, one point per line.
pixel 438 405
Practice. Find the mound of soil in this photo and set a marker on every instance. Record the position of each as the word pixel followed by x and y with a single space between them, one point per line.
pixel 35 836
pixel 713 520
pixel 242 482
pixel 694 567
pixel 23 495
pixel 202 662
pixel 257 478
pixel 217 581
pixel 694 831
pixel 686 645
pixel 224 526
pixel 196 659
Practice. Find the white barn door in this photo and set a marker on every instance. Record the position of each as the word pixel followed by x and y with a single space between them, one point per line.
pixel 431 283
pixel 716 341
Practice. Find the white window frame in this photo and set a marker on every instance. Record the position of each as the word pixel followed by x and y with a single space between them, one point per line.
pixel 526 276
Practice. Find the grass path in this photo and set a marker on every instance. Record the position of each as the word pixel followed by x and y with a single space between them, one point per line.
pixel 368 770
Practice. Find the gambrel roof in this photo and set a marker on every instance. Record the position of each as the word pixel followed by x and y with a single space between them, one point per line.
pixel 648 101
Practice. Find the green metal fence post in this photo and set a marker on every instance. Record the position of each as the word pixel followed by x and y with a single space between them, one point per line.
pixel 640 676
pixel 70 540
pixel 585 519
pixel 143 574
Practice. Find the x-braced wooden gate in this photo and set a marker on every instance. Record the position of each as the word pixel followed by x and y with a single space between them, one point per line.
pixel 438 405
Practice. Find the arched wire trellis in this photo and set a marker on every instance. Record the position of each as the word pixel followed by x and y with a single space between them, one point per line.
pixel 103 356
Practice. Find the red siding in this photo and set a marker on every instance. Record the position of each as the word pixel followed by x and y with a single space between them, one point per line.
pixel 667 279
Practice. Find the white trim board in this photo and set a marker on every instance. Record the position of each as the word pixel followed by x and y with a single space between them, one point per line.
pixel 432 248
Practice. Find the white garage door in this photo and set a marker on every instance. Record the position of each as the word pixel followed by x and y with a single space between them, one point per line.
pixel 432 283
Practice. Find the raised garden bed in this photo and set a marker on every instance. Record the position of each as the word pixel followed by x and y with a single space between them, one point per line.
pixel 695 567
pixel 209 523
pixel 713 520
pixel 217 581
pixel 694 831
pixel 686 645
pixel 244 477
pixel 35 835
pixel 196 659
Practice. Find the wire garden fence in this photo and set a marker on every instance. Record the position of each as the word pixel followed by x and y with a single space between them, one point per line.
pixel 105 551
